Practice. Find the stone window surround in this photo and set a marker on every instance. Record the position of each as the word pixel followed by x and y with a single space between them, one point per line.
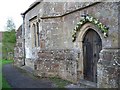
pixel 34 26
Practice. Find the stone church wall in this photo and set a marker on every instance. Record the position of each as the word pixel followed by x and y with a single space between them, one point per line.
pixel 18 50
pixel 61 57
pixel 57 63
pixel 31 53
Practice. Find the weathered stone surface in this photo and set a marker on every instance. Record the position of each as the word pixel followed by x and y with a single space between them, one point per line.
pixel 59 62
pixel 57 55
pixel 109 68
pixel 18 50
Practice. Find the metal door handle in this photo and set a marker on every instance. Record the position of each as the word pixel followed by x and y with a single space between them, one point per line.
pixel 95 55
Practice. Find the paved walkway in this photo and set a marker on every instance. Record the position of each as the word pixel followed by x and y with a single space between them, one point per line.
pixel 19 79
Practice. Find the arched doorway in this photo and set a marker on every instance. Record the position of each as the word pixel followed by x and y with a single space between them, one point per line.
pixel 92 45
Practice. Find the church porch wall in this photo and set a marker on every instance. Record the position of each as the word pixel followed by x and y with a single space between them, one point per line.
pixel 52 33
pixel 57 63
pixel 29 50
pixel 57 33
pixel 52 9
pixel 109 18
pixel 109 69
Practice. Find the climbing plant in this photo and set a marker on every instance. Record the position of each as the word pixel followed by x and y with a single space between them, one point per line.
pixel 88 18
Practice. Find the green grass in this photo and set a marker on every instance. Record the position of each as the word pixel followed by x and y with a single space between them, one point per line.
pixel 59 82
pixel 6 62
pixel 5 84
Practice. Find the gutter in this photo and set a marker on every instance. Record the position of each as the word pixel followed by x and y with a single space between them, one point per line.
pixel 23 37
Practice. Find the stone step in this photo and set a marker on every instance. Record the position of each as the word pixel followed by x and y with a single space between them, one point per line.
pixel 87 84
pixel 83 84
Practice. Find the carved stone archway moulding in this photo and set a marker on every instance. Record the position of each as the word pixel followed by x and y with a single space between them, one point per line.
pixel 88 18
pixel 79 43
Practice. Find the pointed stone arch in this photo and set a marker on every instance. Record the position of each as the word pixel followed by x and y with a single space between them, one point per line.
pixel 79 41
pixel 103 28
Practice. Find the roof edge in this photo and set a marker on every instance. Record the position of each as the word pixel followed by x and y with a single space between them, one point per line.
pixel 32 6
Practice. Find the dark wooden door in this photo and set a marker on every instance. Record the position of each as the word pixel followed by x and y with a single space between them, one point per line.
pixel 92 45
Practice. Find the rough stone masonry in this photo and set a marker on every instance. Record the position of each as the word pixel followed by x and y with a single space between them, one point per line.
pixel 45 42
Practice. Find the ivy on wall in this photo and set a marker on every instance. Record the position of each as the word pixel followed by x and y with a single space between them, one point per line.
pixel 88 18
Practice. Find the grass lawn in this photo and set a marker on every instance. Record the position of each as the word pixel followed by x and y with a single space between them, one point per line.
pixel 5 84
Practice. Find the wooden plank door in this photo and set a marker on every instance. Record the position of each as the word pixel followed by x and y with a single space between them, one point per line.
pixel 91 48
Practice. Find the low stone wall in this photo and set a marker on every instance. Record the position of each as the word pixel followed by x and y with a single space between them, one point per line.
pixel 109 69
pixel 18 56
pixel 57 63
pixel 18 61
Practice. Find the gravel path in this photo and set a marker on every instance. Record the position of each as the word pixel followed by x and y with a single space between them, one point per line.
pixel 18 79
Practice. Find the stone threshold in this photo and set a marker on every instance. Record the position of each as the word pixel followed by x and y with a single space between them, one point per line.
pixel 87 84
